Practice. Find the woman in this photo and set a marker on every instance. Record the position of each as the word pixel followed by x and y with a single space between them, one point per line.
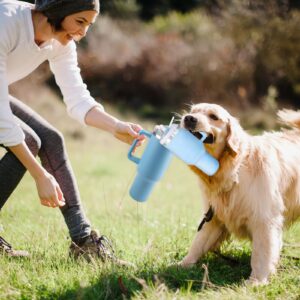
pixel 29 35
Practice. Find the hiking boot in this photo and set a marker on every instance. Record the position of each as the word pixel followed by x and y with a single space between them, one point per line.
pixel 96 246
pixel 6 249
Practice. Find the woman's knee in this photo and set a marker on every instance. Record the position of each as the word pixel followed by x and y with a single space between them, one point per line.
pixel 53 153
pixel 54 139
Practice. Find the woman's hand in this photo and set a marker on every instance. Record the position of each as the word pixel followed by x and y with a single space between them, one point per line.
pixel 49 191
pixel 128 132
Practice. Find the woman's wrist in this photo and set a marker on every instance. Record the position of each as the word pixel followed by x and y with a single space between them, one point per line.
pixel 101 120
pixel 37 171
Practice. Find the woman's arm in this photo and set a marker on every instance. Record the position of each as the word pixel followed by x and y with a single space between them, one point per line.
pixel 124 131
pixel 48 189
pixel 11 135
pixel 80 104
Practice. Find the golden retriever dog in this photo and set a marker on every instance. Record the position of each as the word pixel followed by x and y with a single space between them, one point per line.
pixel 256 191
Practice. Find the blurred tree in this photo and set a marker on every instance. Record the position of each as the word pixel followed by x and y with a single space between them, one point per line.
pixel 147 9
pixel 150 8
pixel 123 9
pixel 295 4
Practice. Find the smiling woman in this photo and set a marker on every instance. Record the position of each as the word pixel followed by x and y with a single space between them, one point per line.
pixel 29 35
pixel 64 26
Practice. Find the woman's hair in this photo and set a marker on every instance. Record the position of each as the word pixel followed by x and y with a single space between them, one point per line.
pixel 57 9
pixel 56 23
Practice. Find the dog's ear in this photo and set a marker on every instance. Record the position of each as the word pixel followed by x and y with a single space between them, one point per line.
pixel 233 136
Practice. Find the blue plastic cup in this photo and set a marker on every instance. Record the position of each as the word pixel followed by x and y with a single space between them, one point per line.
pixel 151 166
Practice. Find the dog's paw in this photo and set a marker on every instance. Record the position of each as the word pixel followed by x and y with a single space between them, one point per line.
pixel 185 263
pixel 252 282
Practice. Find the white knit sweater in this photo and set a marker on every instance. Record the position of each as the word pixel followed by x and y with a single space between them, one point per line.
pixel 19 56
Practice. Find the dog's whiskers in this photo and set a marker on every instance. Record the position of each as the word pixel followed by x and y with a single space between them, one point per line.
pixel 189 105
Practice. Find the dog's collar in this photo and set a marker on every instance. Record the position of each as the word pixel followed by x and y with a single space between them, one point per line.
pixel 207 217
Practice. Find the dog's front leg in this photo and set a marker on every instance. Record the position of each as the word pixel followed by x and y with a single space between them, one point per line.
pixel 208 238
pixel 266 247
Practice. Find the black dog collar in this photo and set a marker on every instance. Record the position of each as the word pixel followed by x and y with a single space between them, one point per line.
pixel 207 217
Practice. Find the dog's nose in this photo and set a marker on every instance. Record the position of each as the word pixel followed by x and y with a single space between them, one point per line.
pixel 190 122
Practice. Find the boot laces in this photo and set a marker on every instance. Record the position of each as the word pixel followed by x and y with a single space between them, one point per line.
pixel 4 244
pixel 104 246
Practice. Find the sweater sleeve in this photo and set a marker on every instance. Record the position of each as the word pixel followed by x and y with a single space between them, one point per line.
pixel 65 68
pixel 11 133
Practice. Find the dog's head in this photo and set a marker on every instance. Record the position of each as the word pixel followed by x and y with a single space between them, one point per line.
pixel 222 129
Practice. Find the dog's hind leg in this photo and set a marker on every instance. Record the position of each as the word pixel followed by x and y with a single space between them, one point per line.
pixel 208 238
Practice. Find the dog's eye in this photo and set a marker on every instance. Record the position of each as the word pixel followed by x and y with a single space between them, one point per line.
pixel 214 117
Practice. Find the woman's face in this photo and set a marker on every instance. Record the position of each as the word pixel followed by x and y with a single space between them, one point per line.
pixel 75 26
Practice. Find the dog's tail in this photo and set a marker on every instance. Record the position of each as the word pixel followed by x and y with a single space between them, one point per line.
pixel 289 117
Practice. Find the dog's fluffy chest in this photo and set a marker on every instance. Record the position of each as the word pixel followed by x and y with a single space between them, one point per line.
pixel 232 210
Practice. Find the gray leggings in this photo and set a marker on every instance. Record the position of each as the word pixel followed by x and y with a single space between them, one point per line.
pixel 48 144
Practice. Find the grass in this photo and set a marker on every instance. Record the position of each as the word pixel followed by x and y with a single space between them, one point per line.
pixel 153 235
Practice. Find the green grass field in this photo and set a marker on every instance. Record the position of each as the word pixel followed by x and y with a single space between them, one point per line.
pixel 153 235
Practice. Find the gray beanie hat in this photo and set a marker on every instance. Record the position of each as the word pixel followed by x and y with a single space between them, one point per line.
pixel 63 8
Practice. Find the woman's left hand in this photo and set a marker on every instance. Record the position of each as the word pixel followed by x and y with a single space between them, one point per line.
pixel 128 132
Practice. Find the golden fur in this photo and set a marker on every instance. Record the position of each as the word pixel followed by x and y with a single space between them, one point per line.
pixel 256 191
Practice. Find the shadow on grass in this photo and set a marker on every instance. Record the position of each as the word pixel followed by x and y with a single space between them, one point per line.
pixel 120 283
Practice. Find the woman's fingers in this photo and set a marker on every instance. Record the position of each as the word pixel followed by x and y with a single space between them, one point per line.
pixel 136 127
pixel 131 131
pixel 46 202
pixel 60 196
pixel 55 199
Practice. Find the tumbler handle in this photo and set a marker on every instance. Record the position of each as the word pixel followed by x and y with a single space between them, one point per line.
pixel 132 157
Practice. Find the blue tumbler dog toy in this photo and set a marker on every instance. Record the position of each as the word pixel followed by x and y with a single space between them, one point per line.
pixel 151 166
pixel 163 143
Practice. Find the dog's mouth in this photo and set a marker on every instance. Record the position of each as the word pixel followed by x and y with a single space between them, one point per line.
pixel 210 139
